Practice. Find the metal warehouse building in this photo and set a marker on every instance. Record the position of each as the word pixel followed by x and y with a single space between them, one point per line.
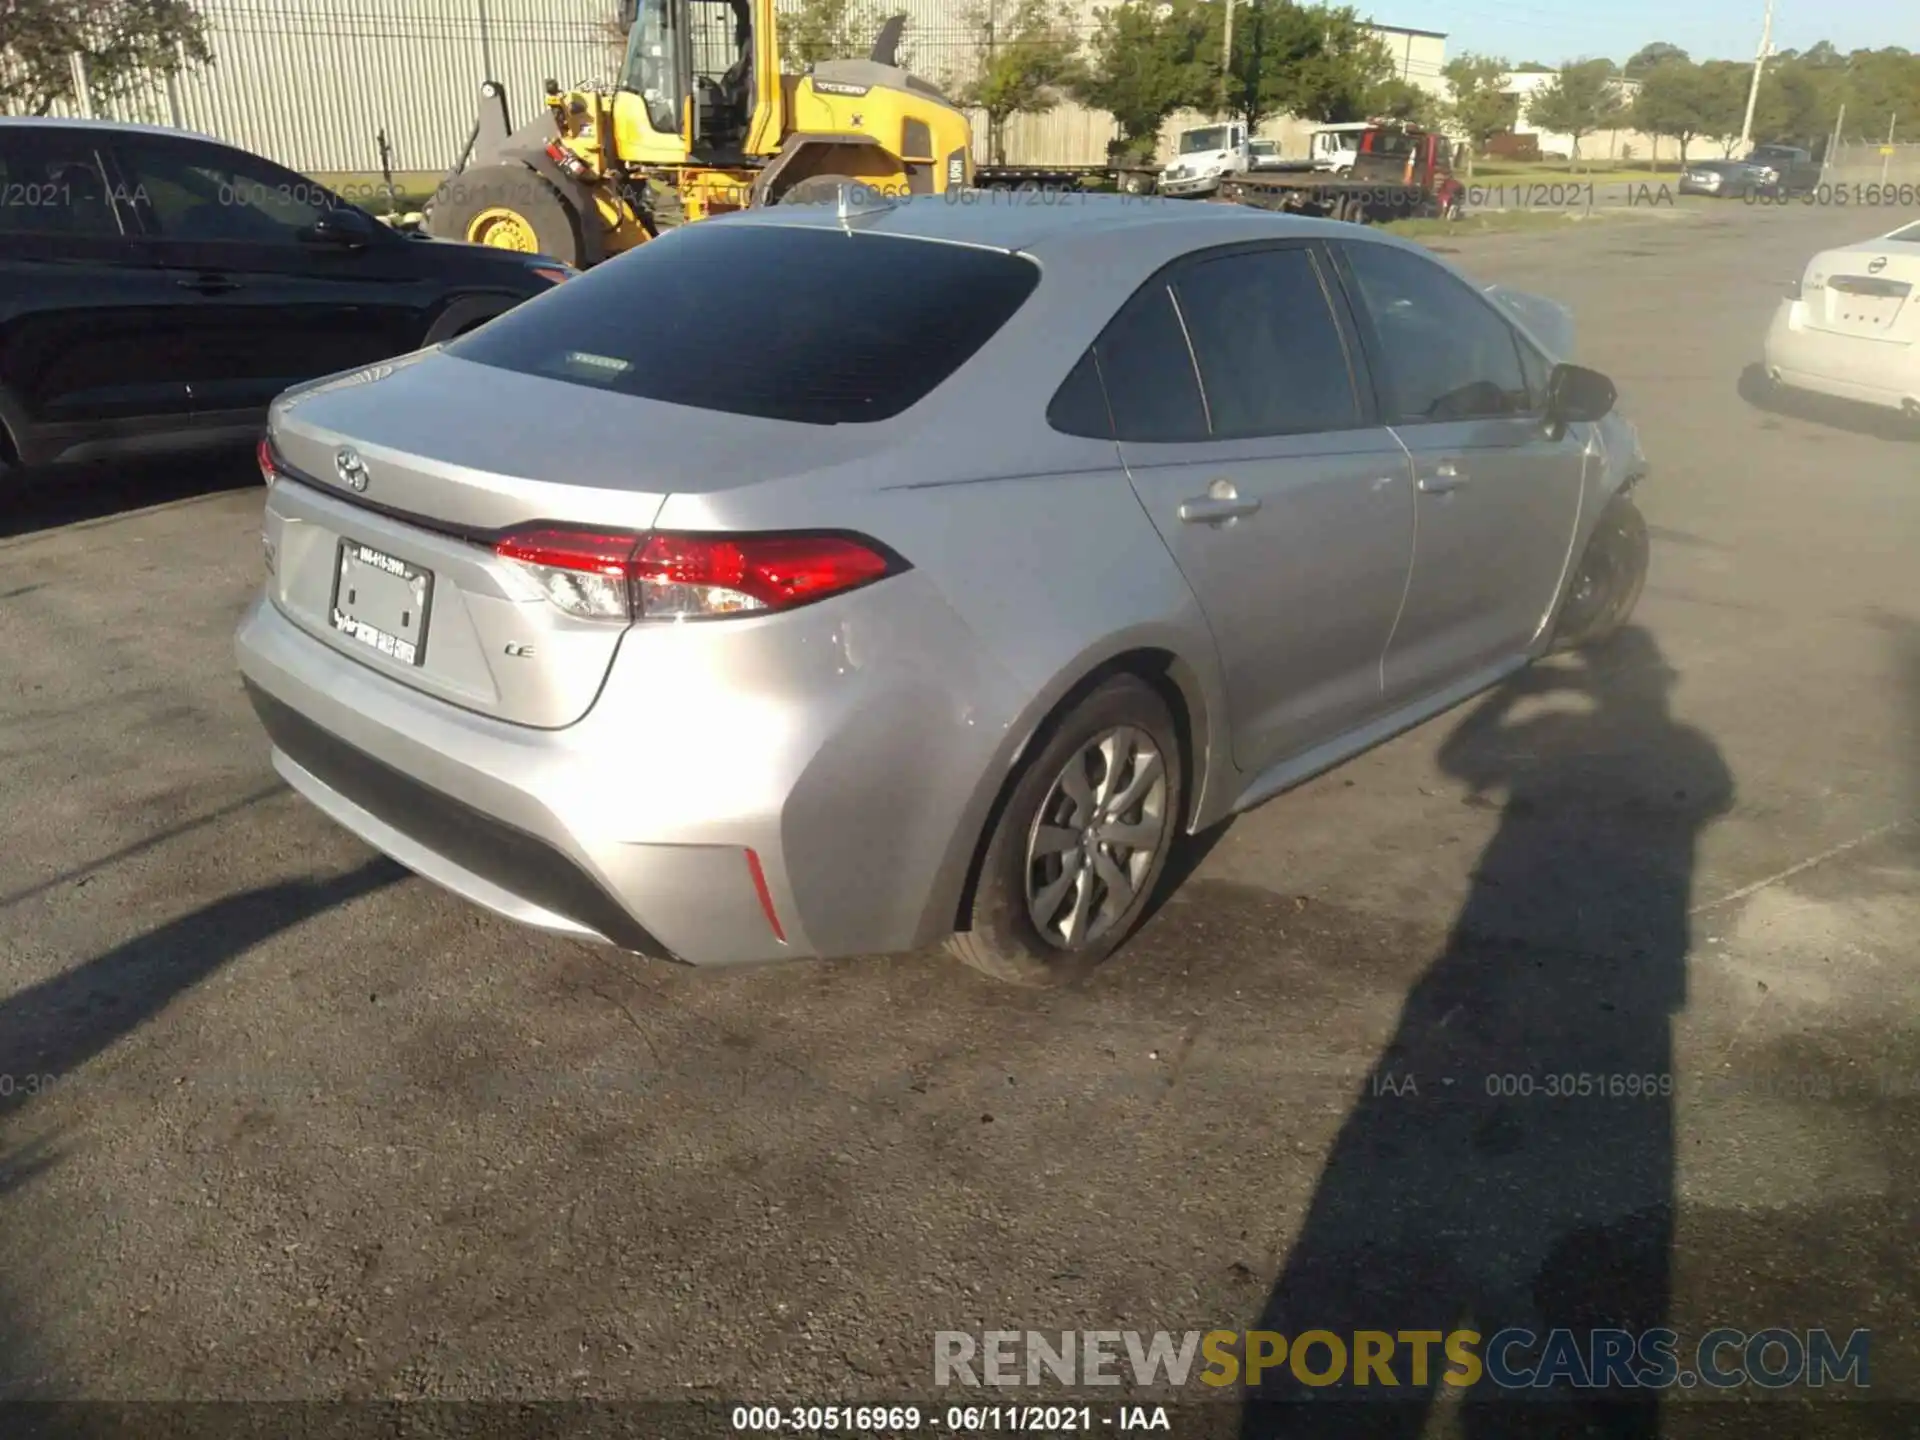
pixel 315 83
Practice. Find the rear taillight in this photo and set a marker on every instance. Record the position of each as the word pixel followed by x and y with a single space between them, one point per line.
pixel 689 575
pixel 584 572
pixel 617 576
pixel 264 457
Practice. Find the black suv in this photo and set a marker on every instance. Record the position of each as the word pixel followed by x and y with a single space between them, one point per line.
pixel 158 289
pixel 1795 171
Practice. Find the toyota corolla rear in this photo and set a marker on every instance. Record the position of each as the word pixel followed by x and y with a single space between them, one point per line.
pixel 1850 326
pixel 585 616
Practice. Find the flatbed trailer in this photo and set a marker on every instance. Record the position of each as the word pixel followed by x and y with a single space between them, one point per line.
pixel 1128 179
pixel 1365 202
pixel 1400 172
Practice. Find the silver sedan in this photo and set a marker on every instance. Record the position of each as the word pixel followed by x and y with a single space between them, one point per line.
pixel 841 579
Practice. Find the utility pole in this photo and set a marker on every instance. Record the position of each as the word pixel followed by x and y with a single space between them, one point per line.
pixel 1753 90
pixel 1886 155
pixel 1226 65
pixel 994 156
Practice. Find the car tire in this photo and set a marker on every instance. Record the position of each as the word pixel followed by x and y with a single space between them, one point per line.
pixel 496 204
pixel 1606 586
pixel 1034 865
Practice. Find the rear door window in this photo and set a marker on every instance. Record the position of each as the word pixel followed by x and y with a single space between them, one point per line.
pixel 52 185
pixel 1269 349
pixel 1079 407
pixel 784 323
pixel 1147 368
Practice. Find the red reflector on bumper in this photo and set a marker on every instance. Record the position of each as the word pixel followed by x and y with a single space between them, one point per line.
pixel 766 895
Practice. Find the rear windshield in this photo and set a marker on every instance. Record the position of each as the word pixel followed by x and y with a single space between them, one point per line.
pixel 818 326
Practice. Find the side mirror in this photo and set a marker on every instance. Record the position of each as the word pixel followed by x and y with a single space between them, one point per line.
pixel 343 227
pixel 1577 395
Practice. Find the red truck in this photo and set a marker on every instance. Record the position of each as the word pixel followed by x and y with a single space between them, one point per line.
pixel 1399 172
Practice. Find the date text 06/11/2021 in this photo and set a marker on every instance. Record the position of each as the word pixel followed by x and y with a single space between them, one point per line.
pixel 952 1420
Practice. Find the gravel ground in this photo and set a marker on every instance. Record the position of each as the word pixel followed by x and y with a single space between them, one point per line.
pixel 279 1121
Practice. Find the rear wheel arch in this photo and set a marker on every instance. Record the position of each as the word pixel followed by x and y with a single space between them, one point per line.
pixel 13 426
pixel 1177 684
pixel 465 313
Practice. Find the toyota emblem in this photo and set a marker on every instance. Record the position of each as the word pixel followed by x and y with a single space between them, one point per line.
pixel 351 469
pixel 1876 265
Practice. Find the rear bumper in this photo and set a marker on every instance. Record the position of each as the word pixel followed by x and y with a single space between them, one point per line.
pixel 1871 372
pixel 507 869
pixel 845 775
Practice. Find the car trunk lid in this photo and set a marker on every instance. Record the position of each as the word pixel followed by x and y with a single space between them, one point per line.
pixel 399 481
pixel 1865 291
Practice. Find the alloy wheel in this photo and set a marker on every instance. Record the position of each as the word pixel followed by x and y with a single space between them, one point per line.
pixel 1094 838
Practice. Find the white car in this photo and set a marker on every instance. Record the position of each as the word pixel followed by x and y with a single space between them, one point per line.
pixel 1850 326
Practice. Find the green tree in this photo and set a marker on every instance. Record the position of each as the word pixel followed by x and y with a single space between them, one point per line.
pixel 1397 99
pixel 1351 65
pixel 1648 56
pixel 1481 107
pixel 1723 101
pixel 1582 98
pixel 1147 60
pixel 1880 88
pixel 1789 108
pixel 819 30
pixel 1317 63
pixel 1027 60
pixel 1674 100
pixel 1823 56
pixel 120 43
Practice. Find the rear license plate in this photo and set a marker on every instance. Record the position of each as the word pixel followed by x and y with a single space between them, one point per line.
pixel 382 602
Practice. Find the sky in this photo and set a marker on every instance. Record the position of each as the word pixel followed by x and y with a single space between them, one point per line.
pixel 1551 32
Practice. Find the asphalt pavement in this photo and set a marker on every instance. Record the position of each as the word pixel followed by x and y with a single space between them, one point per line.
pixel 278 1120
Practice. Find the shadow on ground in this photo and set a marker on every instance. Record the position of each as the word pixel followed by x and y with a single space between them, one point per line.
pixel 73 494
pixel 1869 420
pixel 49 1030
pixel 1463 1193
pixel 52 1028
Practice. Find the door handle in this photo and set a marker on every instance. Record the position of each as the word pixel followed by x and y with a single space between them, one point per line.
pixel 1207 511
pixel 1445 477
pixel 209 284
pixel 1221 502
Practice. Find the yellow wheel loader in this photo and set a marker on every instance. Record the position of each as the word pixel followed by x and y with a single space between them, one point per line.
pixel 701 121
